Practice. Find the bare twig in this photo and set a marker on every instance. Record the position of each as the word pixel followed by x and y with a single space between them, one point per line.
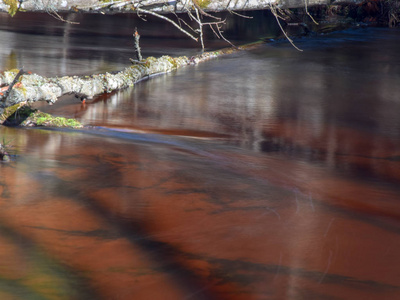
pixel 200 28
pixel 240 15
pixel 201 24
pixel 55 15
pixel 273 10
pixel 219 34
pixel 222 36
pixel 166 19
pixel 191 28
pixel 177 18
pixel 311 17
pixel 280 14
pixel 191 7
pixel 140 17
pixel 215 33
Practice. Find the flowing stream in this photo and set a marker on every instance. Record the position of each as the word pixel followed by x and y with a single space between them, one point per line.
pixel 267 174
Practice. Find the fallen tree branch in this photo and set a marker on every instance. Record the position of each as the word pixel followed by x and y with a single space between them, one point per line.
pixel 34 87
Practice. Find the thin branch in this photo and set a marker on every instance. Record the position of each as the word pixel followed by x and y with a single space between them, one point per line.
pixel 216 34
pixel 222 36
pixel 201 24
pixel 281 14
pixel 191 17
pixel 140 17
pixel 273 10
pixel 240 15
pixel 200 28
pixel 305 5
pixel 184 22
pixel 55 15
pixel 166 19
pixel 177 17
pixel 193 9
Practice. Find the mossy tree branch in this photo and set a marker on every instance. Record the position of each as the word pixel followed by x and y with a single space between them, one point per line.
pixel 33 87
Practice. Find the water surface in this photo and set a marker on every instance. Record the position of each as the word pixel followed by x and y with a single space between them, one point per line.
pixel 270 174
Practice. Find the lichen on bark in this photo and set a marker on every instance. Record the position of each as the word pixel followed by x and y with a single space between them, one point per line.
pixel 33 87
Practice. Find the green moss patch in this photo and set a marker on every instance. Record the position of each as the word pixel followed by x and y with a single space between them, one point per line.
pixel 38 118
pixel 23 115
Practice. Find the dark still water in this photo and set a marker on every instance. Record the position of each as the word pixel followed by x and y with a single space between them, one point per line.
pixel 270 174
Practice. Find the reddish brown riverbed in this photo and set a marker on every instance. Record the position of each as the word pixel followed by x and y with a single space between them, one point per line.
pixel 271 174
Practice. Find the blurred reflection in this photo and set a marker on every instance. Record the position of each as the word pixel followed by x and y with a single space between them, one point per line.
pixel 96 43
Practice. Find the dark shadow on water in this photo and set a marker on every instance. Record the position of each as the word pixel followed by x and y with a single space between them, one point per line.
pixel 73 283
pixel 167 256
